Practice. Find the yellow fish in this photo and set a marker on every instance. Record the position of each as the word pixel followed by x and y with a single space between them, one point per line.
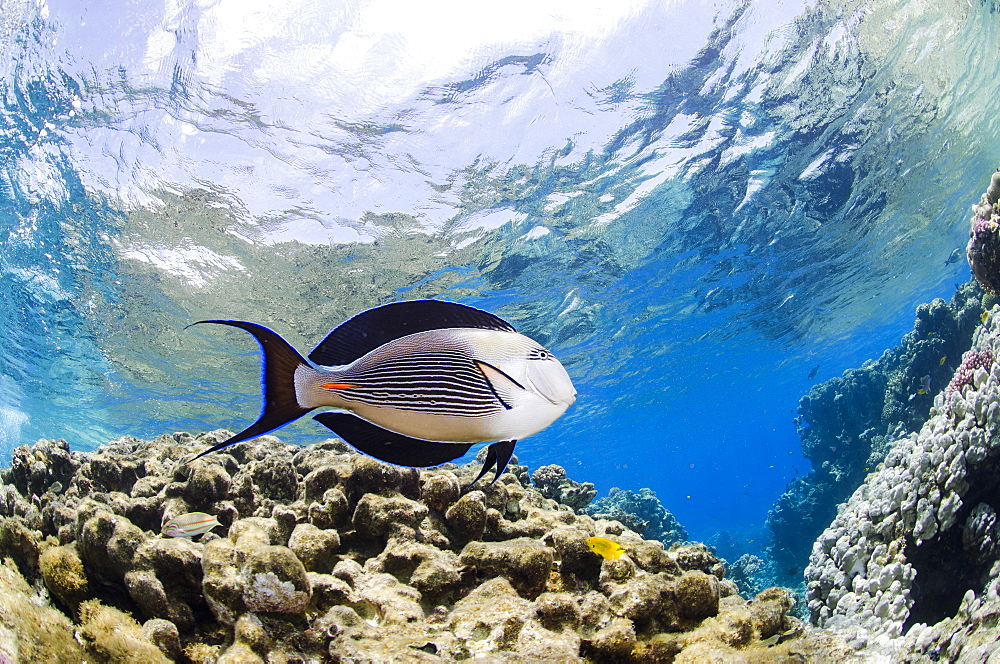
pixel 605 548
pixel 982 319
pixel 944 358
pixel 190 524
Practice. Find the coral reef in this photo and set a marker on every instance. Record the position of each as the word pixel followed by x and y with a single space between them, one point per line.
pixel 983 250
pixel 327 555
pixel 553 483
pixel 915 549
pixel 744 572
pixel 642 512
pixel 847 424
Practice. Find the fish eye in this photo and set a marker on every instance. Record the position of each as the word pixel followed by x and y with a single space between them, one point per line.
pixel 540 354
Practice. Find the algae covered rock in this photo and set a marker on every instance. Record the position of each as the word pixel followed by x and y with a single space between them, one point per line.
pixel 166 579
pixel 697 595
pixel 64 575
pixel 252 575
pixel 30 631
pixel 116 636
pixel 37 468
pixel 207 483
pixel 613 642
pixel 576 560
pixel 107 542
pixel 466 518
pixel 439 489
pixel 315 547
pixel 439 575
pixel 382 516
pixel 332 556
pixel 490 618
pixel 524 562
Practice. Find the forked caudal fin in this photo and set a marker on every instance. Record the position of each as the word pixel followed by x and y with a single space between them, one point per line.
pixel 279 362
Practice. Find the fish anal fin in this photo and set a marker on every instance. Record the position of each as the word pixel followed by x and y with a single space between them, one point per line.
pixel 389 446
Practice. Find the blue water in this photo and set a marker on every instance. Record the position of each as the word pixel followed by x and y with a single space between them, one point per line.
pixel 693 204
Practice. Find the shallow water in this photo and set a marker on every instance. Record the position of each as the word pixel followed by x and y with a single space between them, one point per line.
pixel 693 205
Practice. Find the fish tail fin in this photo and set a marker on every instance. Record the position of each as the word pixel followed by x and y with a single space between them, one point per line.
pixel 278 364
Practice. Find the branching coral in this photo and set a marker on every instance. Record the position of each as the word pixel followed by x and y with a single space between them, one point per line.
pixel 965 374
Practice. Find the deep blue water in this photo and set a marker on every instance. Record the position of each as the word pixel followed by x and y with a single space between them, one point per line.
pixel 692 204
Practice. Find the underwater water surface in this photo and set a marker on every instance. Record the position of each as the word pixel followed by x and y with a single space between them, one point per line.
pixel 701 207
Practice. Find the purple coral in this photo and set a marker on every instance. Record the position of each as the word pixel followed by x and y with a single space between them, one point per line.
pixel 983 249
pixel 971 360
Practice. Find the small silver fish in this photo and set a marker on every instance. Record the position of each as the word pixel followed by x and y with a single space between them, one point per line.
pixel 417 383
pixel 190 524
pixel 953 258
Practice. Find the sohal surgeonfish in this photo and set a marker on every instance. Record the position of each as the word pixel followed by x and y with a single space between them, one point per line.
pixel 417 384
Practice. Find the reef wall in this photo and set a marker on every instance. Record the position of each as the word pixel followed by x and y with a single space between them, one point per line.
pixel 327 555
pixel 915 551
pixel 911 562
pixel 848 424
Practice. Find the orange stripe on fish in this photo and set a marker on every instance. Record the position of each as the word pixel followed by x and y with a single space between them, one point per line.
pixel 190 524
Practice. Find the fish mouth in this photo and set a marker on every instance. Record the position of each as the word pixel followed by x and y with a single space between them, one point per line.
pixel 557 390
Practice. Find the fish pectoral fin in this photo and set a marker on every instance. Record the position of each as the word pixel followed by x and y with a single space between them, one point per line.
pixel 504 388
pixel 497 455
pixel 389 446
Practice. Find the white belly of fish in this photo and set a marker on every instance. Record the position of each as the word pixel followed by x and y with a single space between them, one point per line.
pixel 522 420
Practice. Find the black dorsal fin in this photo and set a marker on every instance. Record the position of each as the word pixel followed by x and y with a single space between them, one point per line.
pixel 373 328
pixel 390 447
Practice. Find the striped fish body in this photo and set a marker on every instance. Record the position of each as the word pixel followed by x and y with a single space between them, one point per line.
pixel 453 385
pixel 414 383
pixel 191 524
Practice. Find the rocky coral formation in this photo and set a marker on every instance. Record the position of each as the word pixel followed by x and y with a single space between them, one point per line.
pixel 915 550
pixel 745 571
pixel 847 424
pixel 326 555
pixel 553 483
pixel 642 512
